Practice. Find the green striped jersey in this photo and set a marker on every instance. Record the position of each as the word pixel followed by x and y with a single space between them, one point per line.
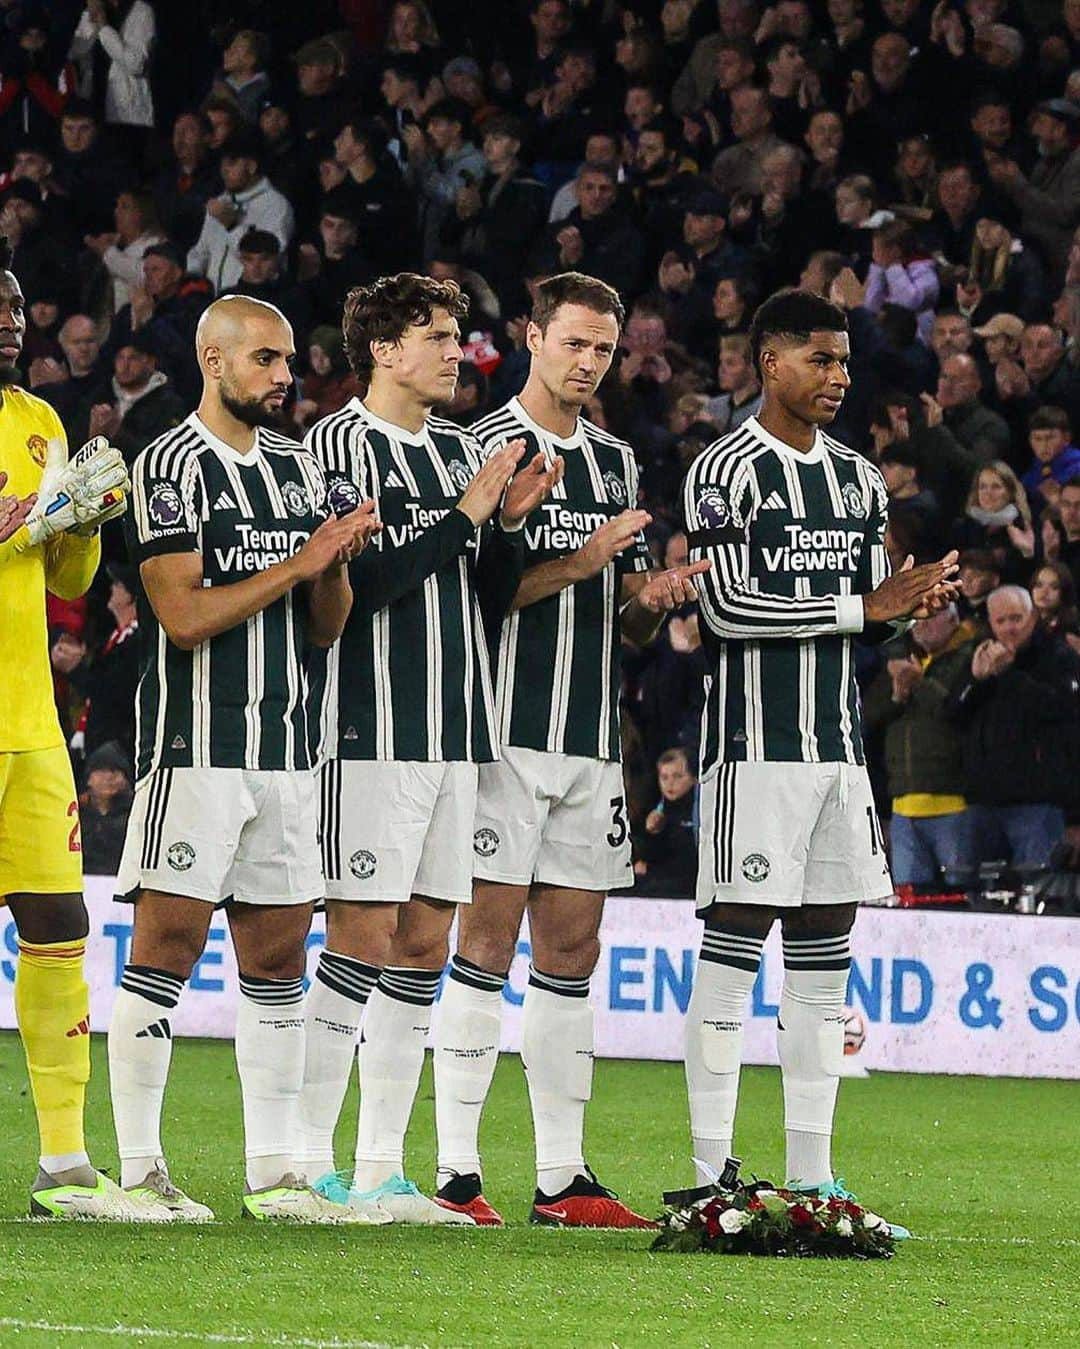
pixel 558 662
pixel 794 540
pixel 238 700
pixel 409 679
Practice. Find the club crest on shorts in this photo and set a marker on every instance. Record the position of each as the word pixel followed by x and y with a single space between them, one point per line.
pixel 342 496
pixel 485 842
pixel 362 864
pixel 180 856
pixel 164 504
pixel 615 487
pixel 295 498
pixel 38 449
pixel 459 474
pixel 853 500
pixel 756 868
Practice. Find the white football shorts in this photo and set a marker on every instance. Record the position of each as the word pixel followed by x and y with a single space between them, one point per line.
pixel 390 830
pixel 224 833
pixel 787 834
pixel 557 819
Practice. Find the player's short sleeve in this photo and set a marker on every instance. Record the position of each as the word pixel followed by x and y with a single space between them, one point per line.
pixel 166 510
pixel 718 506
pixel 315 482
pixel 340 453
pixel 637 557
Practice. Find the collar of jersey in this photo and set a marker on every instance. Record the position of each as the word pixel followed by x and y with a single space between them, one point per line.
pixel 570 443
pixel 220 447
pixel 389 429
pixel 813 456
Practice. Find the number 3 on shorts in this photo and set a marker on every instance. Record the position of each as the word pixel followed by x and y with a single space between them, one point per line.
pixel 619 827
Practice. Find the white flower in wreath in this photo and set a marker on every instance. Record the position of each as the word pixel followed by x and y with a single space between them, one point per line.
pixel 873 1223
pixel 733 1220
pixel 844 1227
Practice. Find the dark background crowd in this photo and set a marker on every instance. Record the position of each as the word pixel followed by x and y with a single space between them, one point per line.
pixel 915 162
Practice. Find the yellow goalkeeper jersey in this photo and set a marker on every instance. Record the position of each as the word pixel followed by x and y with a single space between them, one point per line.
pixel 65 565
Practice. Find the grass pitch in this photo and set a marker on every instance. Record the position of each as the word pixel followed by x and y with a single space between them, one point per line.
pixel 982 1171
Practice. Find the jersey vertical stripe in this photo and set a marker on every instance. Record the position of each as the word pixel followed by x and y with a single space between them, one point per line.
pixel 793 540
pixel 558 663
pixel 404 677
pixel 238 700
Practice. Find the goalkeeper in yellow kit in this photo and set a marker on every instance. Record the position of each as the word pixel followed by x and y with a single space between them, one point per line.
pixel 49 520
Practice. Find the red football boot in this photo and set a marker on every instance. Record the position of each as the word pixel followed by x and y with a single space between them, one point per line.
pixel 585 1203
pixel 463 1195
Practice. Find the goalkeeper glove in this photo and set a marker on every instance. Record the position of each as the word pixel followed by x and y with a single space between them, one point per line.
pixel 78 495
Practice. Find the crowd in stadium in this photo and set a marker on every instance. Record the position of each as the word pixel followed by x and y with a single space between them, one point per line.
pixel 917 164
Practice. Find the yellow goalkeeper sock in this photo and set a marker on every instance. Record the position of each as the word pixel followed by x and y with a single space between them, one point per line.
pixel 52 1006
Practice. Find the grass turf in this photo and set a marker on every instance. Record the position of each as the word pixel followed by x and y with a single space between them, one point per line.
pixel 979 1169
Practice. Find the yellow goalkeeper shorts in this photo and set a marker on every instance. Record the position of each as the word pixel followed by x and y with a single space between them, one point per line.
pixel 40 843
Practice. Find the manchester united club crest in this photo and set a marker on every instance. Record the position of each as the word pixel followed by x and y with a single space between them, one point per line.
pixel 38 447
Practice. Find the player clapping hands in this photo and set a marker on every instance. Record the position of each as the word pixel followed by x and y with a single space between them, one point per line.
pixel 80 494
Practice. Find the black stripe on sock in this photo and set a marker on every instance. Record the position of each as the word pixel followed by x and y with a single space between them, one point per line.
pixel 405 984
pixel 464 971
pixel 738 950
pixel 271 992
pixel 563 985
pixel 353 979
pixel 157 986
pixel 818 953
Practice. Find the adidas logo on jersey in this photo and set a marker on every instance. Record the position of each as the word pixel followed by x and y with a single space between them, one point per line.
pixel 157 1030
pixel 178 742
pixel 225 503
pixel 392 480
pixel 774 502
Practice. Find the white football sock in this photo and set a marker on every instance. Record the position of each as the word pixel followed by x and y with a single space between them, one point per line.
pixel 724 978
pixel 270 1063
pixel 810 1037
pixel 391 1061
pixel 557 1054
pixel 466 1055
pixel 333 1009
pixel 140 1050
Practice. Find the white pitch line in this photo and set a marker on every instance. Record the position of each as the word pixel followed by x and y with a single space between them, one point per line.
pixel 200 1336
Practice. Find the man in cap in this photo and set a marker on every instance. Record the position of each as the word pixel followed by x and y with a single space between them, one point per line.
pixel 1001 337
pixel 1048 197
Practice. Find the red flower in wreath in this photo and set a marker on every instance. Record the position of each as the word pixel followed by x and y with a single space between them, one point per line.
pixel 800 1216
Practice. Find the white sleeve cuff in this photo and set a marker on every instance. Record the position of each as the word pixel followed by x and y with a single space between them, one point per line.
pixel 850 615
pixel 512 529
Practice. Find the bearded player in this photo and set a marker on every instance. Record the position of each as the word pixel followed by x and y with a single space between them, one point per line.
pixel 48 542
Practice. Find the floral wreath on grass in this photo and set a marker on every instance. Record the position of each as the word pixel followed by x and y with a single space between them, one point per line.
pixel 732 1217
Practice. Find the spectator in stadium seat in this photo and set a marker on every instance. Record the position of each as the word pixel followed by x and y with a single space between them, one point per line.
pixel 84 383
pixel 144 402
pixel 124 30
pixel 1055 459
pixel 106 679
pixel 740 385
pixel 165 311
pixel 666 849
pixel 596 238
pixel 332 264
pixel 223 118
pixel 45 260
pixel 1008 276
pixel 603 150
pixel 441 161
pixel 1048 197
pixel 1044 375
pixel 906 703
pixel 123 249
pixel 244 77
pixel 900 273
pixel 858 214
pixel 953 226
pixel 104 806
pixel 1053 592
pixel 322 104
pixel 911 505
pixel 737 169
pixel 998 519
pixel 1018 711
pixel 980 430
pixel 1066 546
pixel 330 383
pixel 262 278
pixel 979 577
pixel 500 217
pixel 1000 337
pixel 187 180
pixel 374 196
pixel 286 161
pixel 248 202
